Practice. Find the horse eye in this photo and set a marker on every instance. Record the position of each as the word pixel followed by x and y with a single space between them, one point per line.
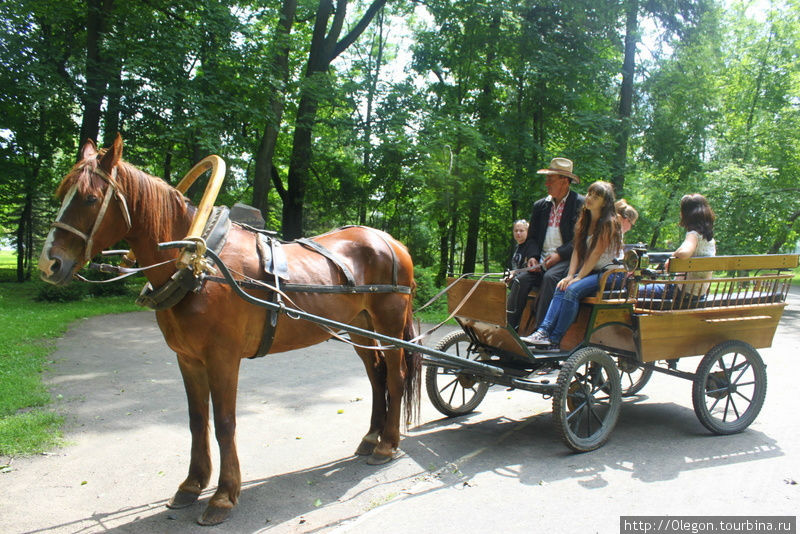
pixel 91 199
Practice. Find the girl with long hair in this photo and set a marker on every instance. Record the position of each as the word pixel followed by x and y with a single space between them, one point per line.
pixel 598 240
pixel 698 219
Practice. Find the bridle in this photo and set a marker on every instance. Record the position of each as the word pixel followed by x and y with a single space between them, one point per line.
pixel 112 191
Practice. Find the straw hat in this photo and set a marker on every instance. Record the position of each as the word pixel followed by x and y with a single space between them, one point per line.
pixel 562 166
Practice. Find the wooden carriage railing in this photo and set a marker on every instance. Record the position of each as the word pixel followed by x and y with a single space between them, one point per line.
pixel 734 281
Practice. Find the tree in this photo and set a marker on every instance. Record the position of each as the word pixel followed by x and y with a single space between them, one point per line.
pixel 325 47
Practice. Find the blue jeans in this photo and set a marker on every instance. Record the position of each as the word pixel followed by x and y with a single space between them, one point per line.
pixel 657 291
pixel 564 307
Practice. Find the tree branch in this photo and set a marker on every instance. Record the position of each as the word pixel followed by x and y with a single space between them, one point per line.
pixel 358 29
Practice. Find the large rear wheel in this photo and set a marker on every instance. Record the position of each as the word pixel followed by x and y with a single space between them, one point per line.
pixel 729 387
pixel 587 400
pixel 454 392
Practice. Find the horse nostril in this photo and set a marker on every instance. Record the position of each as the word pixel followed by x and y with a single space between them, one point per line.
pixel 55 265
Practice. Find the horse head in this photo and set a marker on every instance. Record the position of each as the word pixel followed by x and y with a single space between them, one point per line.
pixel 93 215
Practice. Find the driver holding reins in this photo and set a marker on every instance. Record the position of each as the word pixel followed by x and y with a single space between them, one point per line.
pixel 550 234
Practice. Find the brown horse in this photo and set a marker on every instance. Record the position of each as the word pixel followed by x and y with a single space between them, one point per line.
pixel 105 200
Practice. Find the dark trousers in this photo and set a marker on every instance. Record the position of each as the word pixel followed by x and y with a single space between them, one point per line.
pixel 523 283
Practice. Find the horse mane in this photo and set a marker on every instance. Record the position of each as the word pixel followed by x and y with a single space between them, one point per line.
pixel 155 203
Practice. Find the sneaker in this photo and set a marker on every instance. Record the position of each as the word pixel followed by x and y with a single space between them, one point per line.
pixel 537 338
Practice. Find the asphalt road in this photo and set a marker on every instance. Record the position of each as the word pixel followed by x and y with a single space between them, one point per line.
pixel 301 415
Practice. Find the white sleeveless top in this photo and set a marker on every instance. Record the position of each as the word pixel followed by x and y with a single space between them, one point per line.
pixel 606 259
pixel 704 249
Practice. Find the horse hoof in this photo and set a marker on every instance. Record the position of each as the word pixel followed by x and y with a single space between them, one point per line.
pixel 213 515
pixel 182 499
pixel 380 459
pixel 365 448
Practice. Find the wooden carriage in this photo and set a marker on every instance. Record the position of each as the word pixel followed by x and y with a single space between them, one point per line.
pixel 723 317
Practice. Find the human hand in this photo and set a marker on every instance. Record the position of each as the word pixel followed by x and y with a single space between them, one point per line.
pixel 533 264
pixel 552 259
pixel 564 283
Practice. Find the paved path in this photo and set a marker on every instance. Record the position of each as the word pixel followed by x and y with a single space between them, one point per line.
pixel 301 414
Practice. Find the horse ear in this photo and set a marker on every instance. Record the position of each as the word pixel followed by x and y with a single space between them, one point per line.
pixel 112 155
pixel 88 150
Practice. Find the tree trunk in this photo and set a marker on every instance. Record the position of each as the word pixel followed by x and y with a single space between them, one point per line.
pixel 23 230
pixel 626 96
pixel 98 13
pixel 443 234
pixel 367 142
pixel 324 49
pixel 266 147
pixel 473 229
pixel 112 120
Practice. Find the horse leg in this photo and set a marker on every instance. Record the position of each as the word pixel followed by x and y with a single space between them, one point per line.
pixel 195 381
pixel 389 442
pixel 376 372
pixel 390 322
pixel 223 381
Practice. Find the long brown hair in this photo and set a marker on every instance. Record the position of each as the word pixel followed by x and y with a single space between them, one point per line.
pixel 607 228
pixel 697 215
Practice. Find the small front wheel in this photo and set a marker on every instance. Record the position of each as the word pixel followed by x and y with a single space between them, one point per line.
pixel 587 399
pixel 454 392
pixel 729 387
pixel 632 377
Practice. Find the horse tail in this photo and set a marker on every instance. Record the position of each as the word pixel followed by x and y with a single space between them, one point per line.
pixel 413 358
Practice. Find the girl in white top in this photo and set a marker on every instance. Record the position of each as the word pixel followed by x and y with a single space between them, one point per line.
pixel 698 219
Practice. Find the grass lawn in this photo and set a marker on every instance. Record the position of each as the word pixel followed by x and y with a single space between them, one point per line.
pixel 27 423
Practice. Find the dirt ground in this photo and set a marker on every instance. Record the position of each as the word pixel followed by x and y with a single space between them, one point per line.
pixel 301 415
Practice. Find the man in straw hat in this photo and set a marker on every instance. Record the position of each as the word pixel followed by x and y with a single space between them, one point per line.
pixel 552 227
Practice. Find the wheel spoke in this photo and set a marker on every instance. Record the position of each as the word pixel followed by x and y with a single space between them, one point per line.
pixel 453 381
pixel 593 412
pixel 453 394
pixel 712 392
pixel 744 370
pixel 577 410
pixel 733 405
pixel 711 408
pixel 750 400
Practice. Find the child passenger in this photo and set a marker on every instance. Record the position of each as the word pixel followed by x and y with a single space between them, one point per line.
pixel 627 216
pixel 520 255
pixel 598 240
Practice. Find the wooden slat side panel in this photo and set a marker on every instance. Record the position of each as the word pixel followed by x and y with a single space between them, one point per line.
pixel 674 335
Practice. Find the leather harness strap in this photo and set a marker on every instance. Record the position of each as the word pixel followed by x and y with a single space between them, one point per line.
pixel 313 245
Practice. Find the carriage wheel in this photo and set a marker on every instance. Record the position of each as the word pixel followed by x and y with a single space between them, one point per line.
pixel 632 377
pixel 587 399
pixel 729 387
pixel 453 392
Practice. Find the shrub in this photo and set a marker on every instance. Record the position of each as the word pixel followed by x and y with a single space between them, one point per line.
pixel 50 293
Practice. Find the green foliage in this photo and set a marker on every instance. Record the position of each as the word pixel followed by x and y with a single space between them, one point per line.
pixel 426 290
pixel 49 293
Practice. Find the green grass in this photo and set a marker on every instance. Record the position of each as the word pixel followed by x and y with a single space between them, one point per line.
pixel 28 424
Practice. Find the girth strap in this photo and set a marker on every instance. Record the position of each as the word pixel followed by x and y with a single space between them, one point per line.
pixel 313 245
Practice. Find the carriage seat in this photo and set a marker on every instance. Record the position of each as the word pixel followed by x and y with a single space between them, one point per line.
pixel 736 281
